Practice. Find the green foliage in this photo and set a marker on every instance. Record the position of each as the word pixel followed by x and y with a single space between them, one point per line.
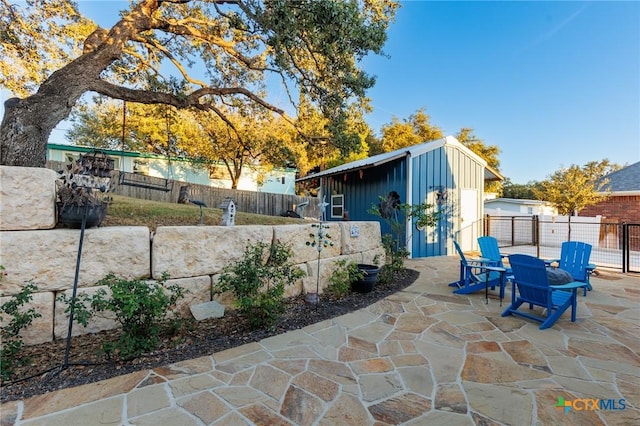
pixel 141 308
pixel 520 191
pixel 395 257
pixel 258 285
pixel 574 188
pixel 424 215
pixel 80 306
pixel 344 274
pixel 412 131
pixel 314 47
pixel 21 318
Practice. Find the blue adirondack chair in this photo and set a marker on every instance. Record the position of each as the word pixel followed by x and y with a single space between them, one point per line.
pixel 533 288
pixel 574 258
pixel 490 250
pixel 476 275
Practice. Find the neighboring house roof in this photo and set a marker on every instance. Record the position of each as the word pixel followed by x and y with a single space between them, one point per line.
pixel 145 155
pixel 625 181
pixel 376 160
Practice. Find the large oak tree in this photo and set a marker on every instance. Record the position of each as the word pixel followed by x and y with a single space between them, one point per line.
pixel 312 46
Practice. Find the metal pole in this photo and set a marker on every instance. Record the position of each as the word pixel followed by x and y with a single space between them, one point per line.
pixel 625 246
pixel 536 224
pixel 75 286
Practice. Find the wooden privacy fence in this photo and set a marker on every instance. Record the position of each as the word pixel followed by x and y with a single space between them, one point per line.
pixel 167 190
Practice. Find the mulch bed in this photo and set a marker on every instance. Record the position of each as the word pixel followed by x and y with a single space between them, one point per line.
pixel 45 373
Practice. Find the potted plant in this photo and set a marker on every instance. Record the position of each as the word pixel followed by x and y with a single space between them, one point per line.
pixel 367 278
pixel 77 189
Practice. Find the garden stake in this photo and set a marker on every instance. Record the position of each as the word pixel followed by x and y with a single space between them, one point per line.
pixel 75 287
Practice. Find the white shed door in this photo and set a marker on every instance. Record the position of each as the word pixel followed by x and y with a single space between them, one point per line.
pixel 468 219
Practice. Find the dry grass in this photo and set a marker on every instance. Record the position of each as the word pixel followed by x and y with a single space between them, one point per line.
pixel 127 211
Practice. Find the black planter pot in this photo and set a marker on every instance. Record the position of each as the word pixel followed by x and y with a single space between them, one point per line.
pixel 70 215
pixel 368 281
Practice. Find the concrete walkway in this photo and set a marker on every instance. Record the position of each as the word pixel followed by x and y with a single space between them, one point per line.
pixel 420 357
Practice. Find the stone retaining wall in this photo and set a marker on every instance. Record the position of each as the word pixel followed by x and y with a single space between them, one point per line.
pixel 193 256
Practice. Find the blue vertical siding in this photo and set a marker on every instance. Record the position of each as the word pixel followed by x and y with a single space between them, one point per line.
pixel 360 193
pixel 447 168
pixel 431 174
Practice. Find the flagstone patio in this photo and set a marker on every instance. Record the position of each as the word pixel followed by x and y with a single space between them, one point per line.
pixel 423 356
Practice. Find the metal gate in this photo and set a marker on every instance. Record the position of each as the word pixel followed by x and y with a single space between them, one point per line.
pixel 631 247
pixel 615 245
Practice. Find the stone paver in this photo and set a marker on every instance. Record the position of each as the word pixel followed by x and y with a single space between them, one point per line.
pixel 421 356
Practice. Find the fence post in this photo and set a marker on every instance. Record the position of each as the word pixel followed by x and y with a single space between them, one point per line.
pixel 625 247
pixel 487 225
pixel 513 230
pixel 536 233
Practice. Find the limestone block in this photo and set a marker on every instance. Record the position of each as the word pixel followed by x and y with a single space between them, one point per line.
pixel 359 236
pixel 197 290
pixel 105 320
pixel 297 236
pixel 27 198
pixel 207 310
pixel 226 299
pixel 295 288
pixel 49 257
pixel 371 257
pixel 311 282
pixel 41 329
pixel 186 251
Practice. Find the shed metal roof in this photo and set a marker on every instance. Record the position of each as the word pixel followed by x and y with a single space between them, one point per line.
pixel 411 151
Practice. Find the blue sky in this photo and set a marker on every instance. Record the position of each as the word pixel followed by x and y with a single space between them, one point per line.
pixel 550 83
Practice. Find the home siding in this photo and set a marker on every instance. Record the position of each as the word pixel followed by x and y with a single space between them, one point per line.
pixel 618 208
pixel 361 191
pixel 445 169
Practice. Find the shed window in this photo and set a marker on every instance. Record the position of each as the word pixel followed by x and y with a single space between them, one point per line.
pixel 337 206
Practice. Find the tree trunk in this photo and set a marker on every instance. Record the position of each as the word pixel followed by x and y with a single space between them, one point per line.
pixel 27 123
pixel 25 129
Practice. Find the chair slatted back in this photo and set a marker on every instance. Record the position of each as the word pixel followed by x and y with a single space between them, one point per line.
pixel 531 279
pixel 490 250
pixel 460 253
pixel 574 258
pixel 473 270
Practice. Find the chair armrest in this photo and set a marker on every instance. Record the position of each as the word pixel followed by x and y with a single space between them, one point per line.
pixel 569 286
pixel 494 268
pixel 483 261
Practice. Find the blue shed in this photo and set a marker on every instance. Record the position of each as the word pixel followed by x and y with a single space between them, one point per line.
pixel 443 173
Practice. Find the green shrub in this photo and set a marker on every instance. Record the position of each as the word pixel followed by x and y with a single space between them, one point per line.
pixel 344 274
pixel 258 286
pixel 395 258
pixel 81 312
pixel 394 214
pixel 141 307
pixel 21 318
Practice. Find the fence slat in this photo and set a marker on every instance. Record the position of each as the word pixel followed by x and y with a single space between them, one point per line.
pixel 246 201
